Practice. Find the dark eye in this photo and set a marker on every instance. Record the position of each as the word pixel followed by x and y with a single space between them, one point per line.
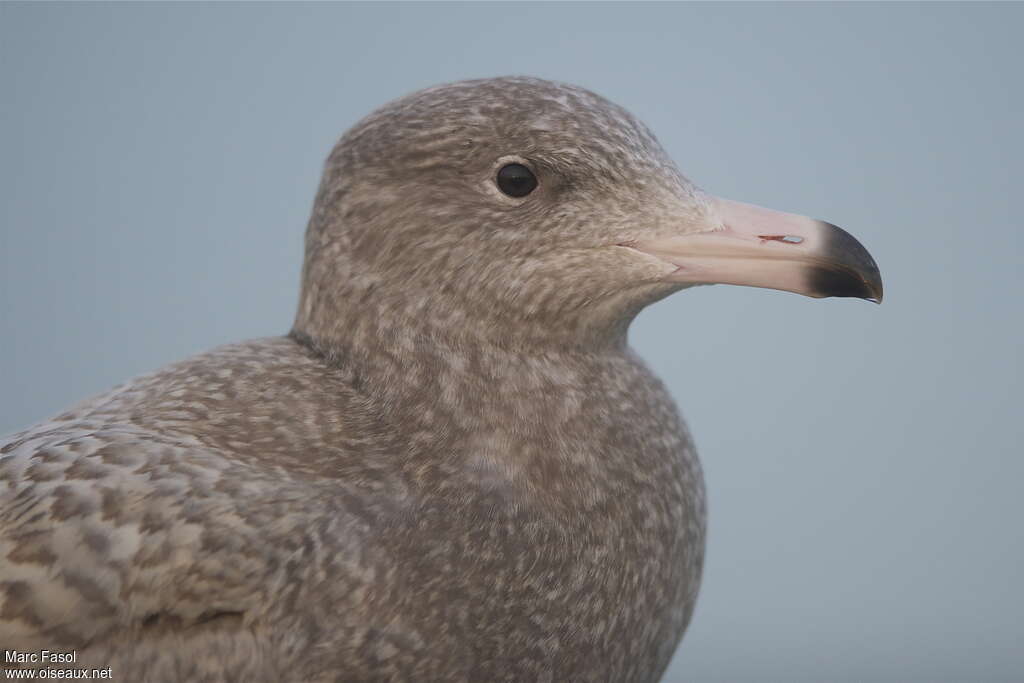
pixel 516 180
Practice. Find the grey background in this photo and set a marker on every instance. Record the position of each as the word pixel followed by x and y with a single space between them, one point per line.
pixel 864 463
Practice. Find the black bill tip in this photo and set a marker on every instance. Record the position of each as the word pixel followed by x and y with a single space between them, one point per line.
pixel 845 268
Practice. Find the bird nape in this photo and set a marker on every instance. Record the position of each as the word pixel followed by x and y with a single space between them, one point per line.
pixel 453 468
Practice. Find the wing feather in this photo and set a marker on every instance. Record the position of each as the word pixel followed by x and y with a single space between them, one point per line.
pixel 107 529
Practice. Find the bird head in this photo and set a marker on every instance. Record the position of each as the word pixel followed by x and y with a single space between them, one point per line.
pixel 537 211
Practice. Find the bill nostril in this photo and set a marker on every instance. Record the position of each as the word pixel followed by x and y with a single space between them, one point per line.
pixel 788 239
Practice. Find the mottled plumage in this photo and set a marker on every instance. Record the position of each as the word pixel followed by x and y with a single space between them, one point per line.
pixel 453 468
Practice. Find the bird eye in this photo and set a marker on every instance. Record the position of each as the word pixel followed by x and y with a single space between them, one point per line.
pixel 516 180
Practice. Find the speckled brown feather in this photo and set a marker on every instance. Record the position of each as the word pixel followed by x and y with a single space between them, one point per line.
pixel 453 469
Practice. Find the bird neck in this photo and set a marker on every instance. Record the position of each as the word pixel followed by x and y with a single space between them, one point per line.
pixel 403 361
pixel 390 347
pixel 351 318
